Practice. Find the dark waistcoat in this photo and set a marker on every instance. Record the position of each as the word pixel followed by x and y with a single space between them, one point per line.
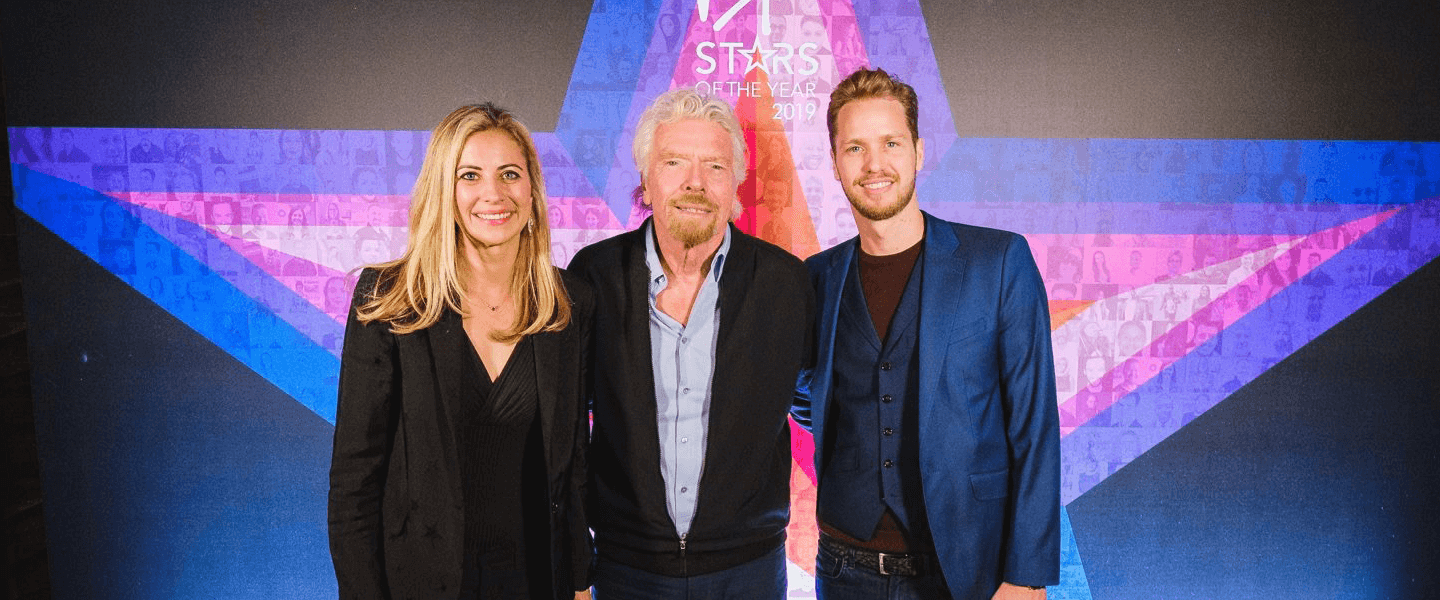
pixel 873 432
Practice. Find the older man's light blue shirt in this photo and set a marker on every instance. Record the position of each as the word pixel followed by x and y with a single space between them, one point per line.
pixel 683 360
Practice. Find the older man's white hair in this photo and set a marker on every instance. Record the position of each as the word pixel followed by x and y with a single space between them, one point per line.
pixel 685 103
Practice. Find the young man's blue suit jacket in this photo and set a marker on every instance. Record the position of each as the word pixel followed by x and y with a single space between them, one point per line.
pixel 989 426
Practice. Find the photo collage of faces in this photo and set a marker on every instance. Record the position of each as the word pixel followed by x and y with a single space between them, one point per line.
pixel 1229 230
pixel 577 216
pixel 305 206
pixel 308 207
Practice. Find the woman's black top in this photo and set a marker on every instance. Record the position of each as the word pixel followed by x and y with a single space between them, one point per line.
pixel 502 467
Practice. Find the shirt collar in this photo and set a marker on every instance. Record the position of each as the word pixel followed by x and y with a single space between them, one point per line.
pixel 657 270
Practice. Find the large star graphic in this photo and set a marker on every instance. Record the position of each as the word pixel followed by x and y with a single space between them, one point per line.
pixel 1106 220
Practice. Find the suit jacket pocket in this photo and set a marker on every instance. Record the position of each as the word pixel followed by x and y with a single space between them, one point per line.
pixel 967 332
pixel 990 486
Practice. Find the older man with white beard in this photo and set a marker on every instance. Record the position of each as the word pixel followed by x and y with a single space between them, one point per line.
pixel 700 332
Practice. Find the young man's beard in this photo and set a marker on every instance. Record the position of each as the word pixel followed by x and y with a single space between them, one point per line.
pixel 881 213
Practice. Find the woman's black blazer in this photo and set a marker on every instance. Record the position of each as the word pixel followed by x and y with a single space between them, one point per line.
pixel 395 512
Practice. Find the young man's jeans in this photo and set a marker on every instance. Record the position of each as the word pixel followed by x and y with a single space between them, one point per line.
pixel 839 578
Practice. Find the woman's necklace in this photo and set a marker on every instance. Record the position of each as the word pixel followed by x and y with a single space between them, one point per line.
pixel 496 306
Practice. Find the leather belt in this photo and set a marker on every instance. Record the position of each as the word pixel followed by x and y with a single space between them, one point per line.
pixel 884 563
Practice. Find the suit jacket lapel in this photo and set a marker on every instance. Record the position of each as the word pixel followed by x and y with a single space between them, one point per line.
pixel 834 283
pixel 833 286
pixel 941 291
pixel 546 347
pixel 448 349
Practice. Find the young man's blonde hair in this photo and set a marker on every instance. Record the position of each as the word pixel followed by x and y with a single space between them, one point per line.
pixel 873 83
pixel 415 289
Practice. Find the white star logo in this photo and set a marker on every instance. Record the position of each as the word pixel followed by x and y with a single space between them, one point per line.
pixel 751 62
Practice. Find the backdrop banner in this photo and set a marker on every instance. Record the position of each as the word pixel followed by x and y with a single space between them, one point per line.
pixel 187 290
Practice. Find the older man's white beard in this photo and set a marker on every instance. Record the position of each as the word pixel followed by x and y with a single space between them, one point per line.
pixel 693 230
pixel 693 234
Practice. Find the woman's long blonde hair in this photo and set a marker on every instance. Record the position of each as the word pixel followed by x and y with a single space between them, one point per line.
pixel 415 289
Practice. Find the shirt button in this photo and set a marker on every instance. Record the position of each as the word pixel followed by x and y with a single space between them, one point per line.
pixel 685 440
pixel 684 340
pixel 684 489
pixel 684 390
pixel 889 431
pixel 885 366
pixel 887 398
pixel 889 463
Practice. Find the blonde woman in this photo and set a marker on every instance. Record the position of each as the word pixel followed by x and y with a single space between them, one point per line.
pixel 460 435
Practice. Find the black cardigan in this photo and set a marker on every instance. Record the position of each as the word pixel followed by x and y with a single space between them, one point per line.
pixel 396 522
pixel 765 334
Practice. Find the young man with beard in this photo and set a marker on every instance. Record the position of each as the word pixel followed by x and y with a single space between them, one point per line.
pixel 932 400
pixel 700 333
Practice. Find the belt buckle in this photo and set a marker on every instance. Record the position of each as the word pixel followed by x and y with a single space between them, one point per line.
pixel 883 571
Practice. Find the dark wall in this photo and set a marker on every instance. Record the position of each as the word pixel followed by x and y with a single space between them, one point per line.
pixel 1114 68
pixel 27 568
pixel 1273 69
pixel 305 64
